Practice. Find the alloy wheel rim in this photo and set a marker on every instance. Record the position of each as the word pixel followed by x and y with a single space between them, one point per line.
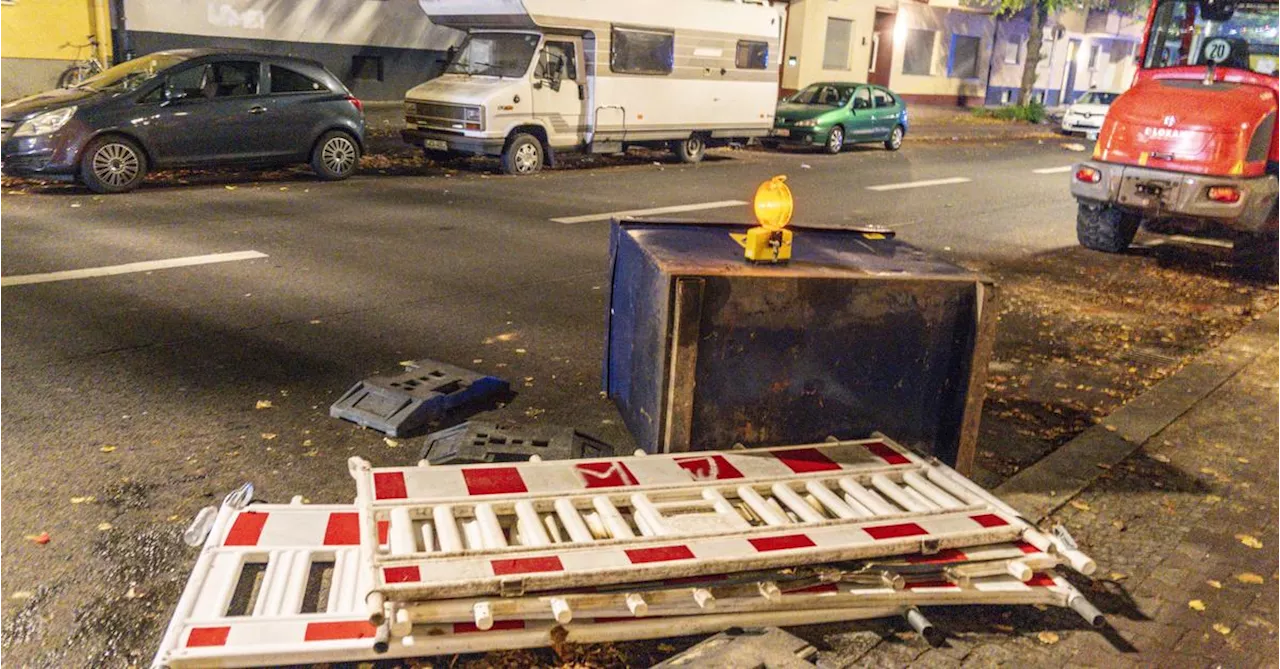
pixel 836 139
pixel 116 164
pixel 526 158
pixel 339 155
pixel 897 137
pixel 693 146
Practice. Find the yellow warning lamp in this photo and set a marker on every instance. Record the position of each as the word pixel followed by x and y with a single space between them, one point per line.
pixel 771 242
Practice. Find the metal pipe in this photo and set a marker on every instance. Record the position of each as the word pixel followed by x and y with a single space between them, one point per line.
pixel 893 492
pixel 428 537
pixel 704 599
pixel 787 496
pixel 611 518
pixel 831 501
pixel 482 613
pixel 872 501
pixel 767 513
pixel 572 522
pixel 641 507
pixel 637 605
pixel 923 627
pixel 560 610
pixel 446 529
pixel 532 533
pixel 400 532
pixel 931 491
pixel 490 529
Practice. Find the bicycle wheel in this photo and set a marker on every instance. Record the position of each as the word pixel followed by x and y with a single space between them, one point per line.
pixel 72 76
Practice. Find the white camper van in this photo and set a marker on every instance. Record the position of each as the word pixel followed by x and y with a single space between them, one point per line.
pixel 537 77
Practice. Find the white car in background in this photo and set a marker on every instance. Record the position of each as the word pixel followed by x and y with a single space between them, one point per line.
pixel 1086 113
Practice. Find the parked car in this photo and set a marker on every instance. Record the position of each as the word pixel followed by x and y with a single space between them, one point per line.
pixel 1086 113
pixel 185 108
pixel 832 114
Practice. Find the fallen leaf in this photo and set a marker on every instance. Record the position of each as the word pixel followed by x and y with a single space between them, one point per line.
pixel 1118 524
pixel 103 527
pixel 268 436
pixel 505 336
pixel 1083 506
pixel 666 648
pixel 391 443
pixel 107 449
pixel 1209 470
pixel 230 187
pixel 134 593
pixel 83 500
pixel 1117 576
pixel 1048 638
pixel 1007 629
pixel 42 538
pixel 1243 461
pixel 1212 499
pixel 1249 540
pixel 315 321
pixel 1250 578
pixel 408 363
pixel 306 442
pixel 1160 457
pixel 263 404
pixel 1214 584
pixel 1196 605
pixel 1221 629
pixel 521 351
pixel 21 594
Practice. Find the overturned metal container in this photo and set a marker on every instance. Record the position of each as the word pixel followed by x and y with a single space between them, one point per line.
pixel 857 333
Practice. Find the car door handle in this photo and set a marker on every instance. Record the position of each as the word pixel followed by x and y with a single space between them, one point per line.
pixel 257 109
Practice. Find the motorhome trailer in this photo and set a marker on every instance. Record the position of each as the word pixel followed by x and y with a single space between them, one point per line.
pixel 537 77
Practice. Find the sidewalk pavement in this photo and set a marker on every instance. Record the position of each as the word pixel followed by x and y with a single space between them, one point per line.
pixel 1182 523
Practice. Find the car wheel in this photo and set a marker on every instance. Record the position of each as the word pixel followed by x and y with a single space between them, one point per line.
pixel 690 150
pixel 112 164
pixel 835 141
pixel 1104 228
pixel 522 156
pixel 336 156
pixel 895 139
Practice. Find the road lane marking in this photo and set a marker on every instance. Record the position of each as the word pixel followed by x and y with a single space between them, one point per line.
pixel 920 184
pixel 129 268
pixel 1053 170
pixel 569 220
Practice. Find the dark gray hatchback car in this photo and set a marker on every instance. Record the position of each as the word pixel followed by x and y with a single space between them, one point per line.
pixel 185 108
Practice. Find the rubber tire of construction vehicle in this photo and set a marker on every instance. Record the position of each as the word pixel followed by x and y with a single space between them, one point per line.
pixel 335 156
pixel 690 150
pixel 1107 229
pixel 835 140
pixel 523 156
pixel 895 138
pixel 112 164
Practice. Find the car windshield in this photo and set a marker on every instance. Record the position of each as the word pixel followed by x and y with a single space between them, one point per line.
pixel 834 95
pixel 130 74
pixel 1095 98
pixel 495 54
pixel 1181 35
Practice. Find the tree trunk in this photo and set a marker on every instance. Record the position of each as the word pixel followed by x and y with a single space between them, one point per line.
pixel 1035 38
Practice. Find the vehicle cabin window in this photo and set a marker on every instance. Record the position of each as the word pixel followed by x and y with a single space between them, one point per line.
pixel 751 55
pixel 862 99
pixel 561 51
pixel 642 51
pixel 882 98
pixel 233 78
pixel 284 80
pixel 188 83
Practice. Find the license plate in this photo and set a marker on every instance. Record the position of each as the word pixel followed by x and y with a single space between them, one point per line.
pixel 781 132
pixel 435 144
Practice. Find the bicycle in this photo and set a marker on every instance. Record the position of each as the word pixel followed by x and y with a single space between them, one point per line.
pixel 81 69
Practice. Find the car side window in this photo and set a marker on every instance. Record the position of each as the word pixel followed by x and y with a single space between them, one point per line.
pixel 562 51
pixel 862 99
pixel 284 80
pixel 232 78
pixel 188 83
pixel 882 99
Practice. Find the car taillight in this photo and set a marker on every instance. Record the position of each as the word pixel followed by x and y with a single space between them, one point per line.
pixel 355 102
pixel 1088 175
pixel 1224 194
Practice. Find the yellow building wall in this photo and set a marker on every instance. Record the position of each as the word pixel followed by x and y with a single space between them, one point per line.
pixel 38 29
pixel 807 37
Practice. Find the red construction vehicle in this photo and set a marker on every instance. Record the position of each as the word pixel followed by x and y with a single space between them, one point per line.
pixel 1191 147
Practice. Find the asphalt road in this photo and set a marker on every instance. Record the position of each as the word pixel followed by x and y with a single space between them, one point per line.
pixel 139 390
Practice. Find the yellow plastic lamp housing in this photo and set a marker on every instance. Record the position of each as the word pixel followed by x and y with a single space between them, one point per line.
pixel 773 204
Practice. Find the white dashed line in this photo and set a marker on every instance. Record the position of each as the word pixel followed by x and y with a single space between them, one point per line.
pixel 130 268
pixel 1053 170
pixel 920 184
pixel 646 212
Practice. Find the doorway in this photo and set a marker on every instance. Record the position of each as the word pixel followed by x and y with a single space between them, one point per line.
pixel 879 69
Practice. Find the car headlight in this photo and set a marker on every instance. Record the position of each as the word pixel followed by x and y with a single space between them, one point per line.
pixel 46 123
pixel 471 114
pixel 807 124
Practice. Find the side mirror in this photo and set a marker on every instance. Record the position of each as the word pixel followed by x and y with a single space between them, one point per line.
pixel 172 95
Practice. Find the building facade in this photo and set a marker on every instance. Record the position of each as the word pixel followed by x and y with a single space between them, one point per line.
pixel 43 37
pixel 944 52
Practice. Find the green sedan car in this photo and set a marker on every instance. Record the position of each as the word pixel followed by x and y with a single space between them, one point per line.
pixel 832 114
